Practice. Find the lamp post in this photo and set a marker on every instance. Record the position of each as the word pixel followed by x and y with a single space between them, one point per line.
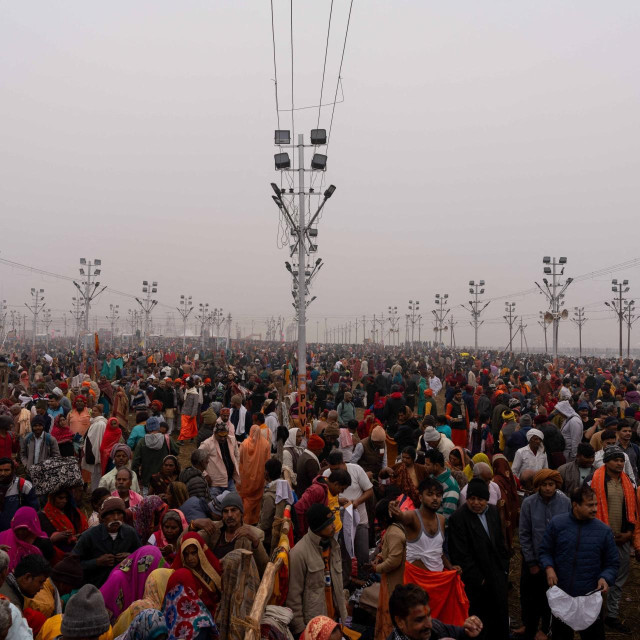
pixel 554 292
pixel 542 322
pixel 579 321
pixel 476 289
pixel 89 290
pixel 185 309
pixel 618 304
pixel 440 313
pixel 304 234
pixel 37 302
pixel 630 318
pixel 203 318
pixel 509 308
pixel 113 317
pixel 147 305
pixel 394 319
pixel 413 317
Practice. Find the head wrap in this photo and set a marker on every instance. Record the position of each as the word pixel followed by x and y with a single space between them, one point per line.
pixel 507 416
pixel 120 446
pixel 156 404
pixel 152 424
pixel 319 628
pixel 547 474
pixel 315 443
pixel 428 392
pixel 534 432
pixel 431 434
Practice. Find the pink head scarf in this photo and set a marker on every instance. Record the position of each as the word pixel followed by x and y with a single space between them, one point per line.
pixel 24 518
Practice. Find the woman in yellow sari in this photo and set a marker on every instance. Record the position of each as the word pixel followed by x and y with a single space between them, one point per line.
pixel 152 599
pixel 479 457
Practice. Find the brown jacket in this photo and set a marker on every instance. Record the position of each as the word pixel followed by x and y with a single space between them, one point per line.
pixel 259 554
pixel 271 515
pixel 306 596
pixel 394 553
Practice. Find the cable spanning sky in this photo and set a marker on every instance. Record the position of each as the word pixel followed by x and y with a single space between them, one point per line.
pixel 473 139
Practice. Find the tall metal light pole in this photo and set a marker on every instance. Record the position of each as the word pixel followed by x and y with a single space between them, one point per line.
pixel 89 290
pixel 394 319
pixel 77 314
pixel 629 318
pixel 37 306
pixel 579 321
pixel 3 321
pixel 46 320
pixel 203 318
pixel 554 292
pixel 476 289
pixel 147 305
pixel 440 313
pixel 544 324
pixel 113 317
pixel 510 308
pixel 185 309
pixel 413 317
pixel 618 304
pixel 134 316
pixel 304 234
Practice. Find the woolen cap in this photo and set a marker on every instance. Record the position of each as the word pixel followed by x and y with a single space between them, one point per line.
pixel 431 434
pixel 612 452
pixel 318 517
pixel 69 571
pixel 233 499
pixel 85 615
pixel 112 504
pixel 477 488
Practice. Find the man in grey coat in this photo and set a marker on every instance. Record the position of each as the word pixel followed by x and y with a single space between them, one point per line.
pixel 37 446
pixel 575 473
pixel 535 514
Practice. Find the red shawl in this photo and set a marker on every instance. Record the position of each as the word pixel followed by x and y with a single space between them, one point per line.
pixel 112 435
pixel 61 522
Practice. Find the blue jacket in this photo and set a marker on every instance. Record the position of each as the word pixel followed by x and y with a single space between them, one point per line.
pixel 20 494
pixel 581 552
pixel 535 515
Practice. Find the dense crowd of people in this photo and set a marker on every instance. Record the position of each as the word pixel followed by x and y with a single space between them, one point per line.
pixel 149 494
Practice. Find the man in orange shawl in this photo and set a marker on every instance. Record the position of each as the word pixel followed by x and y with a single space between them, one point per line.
pixel 254 453
pixel 617 507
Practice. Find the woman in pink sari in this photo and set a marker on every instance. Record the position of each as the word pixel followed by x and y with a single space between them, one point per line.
pixel 126 582
pixel 21 537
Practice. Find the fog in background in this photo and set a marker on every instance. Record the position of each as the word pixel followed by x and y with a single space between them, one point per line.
pixel 474 138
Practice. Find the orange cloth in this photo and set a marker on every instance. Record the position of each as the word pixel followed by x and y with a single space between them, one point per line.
pixel 447 598
pixel 392 449
pixel 384 626
pixel 254 453
pixel 597 484
pixel 188 427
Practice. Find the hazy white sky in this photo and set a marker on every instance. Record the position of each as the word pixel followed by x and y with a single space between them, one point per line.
pixel 475 137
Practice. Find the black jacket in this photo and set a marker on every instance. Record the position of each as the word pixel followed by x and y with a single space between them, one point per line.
pixel 95 542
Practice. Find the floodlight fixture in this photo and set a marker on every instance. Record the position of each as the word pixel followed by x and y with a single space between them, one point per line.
pixel 546 260
pixel 562 260
pixel 547 270
pixel 319 162
pixel 83 261
pixel 282 161
pixel 282 137
pixel 318 136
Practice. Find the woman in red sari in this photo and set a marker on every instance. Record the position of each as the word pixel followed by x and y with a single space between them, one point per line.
pixel 205 569
pixel 63 522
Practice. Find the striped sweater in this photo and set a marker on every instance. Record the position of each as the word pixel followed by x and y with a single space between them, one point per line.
pixel 451 496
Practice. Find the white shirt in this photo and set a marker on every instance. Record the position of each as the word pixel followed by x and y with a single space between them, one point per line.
pixel 494 493
pixel 435 385
pixel 359 484
pixel 526 459
pixel 19 629
pixel 444 446
pixel 271 420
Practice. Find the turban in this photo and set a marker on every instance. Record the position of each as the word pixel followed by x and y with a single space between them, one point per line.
pixel 315 443
pixel 156 404
pixel 547 474
pixel 120 447
pixel 534 432
pixel 508 416
pixel 64 386
pixel 428 392
pixel 207 380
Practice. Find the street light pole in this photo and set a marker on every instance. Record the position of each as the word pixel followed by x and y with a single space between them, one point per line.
pixel 618 305
pixel 147 305
pixel 440 313
pixel 510 307
pixel 554 292
pixel 184 310
pixel 36 309
pixel 476 289
pixel 90 291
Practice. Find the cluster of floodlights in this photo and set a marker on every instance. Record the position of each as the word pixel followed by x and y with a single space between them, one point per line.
pixel 283 139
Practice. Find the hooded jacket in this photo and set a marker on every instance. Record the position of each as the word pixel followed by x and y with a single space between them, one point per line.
pixel 571 429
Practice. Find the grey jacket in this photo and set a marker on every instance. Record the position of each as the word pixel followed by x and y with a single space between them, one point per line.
pixel 49 449
pixel 535 515
pixel 306 596
pixel 571 476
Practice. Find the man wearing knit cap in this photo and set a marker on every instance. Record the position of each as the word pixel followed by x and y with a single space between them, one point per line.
pixel 436 440
pixel 85 615
pixel 308 463
pixel 532 457
pixel 231 533
pixel 608 439
pixel 537 509
pixel 617 508
pixel 101 547
pixel 476 544
pixel 316 551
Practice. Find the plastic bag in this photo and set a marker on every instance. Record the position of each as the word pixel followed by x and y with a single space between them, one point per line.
pixel 579 612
